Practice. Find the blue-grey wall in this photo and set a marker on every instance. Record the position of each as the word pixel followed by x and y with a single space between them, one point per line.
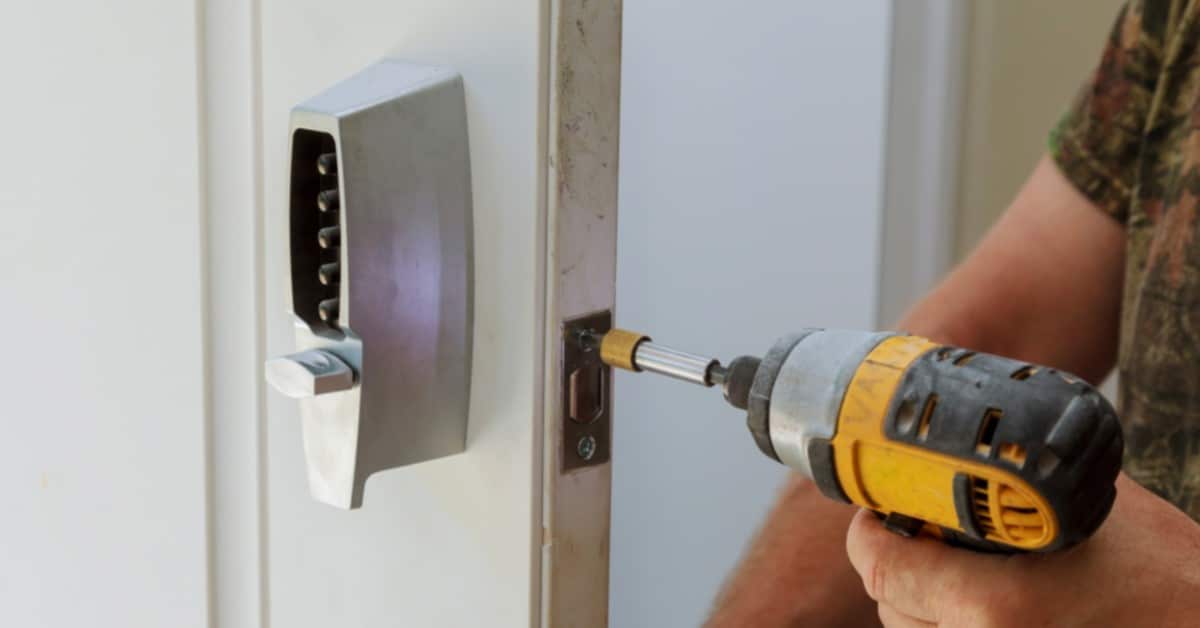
pixel 752 143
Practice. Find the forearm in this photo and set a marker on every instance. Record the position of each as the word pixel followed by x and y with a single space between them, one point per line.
pixel 1043 286
pixel 1184 603
pixel 795 572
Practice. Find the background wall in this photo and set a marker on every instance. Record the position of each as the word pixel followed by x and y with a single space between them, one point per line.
pixel 1027 58
pixel 751 181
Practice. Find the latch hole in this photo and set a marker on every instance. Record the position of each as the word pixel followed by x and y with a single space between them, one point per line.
pixel 587 386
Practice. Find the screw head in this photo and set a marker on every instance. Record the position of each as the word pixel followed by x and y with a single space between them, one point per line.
pixel 586 447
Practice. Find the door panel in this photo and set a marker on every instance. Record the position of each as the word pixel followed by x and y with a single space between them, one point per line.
pixel 103 467
pixel 448 542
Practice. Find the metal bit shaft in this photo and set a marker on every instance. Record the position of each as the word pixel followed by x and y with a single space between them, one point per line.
pixel 635 352
pixel 688 367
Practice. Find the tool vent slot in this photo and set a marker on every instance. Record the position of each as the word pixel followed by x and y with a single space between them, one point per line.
pixel 906 416
pixel 926 416
pixel 1014 453
pixel 981 505
pixel 987 431
pixel 1006 514
pixel 1024 373
pixel 1019 516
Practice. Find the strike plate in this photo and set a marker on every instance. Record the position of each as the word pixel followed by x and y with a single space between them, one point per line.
pixel 586 385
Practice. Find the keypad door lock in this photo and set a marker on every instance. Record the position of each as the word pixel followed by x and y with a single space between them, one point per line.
pixel 380 239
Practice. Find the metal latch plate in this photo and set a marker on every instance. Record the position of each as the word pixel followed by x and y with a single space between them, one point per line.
pixel 586 385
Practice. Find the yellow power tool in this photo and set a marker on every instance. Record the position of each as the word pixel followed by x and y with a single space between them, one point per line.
pixel 977 449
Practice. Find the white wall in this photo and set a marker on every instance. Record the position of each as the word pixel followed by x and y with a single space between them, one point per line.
pixel 1027 59
pixel 751 184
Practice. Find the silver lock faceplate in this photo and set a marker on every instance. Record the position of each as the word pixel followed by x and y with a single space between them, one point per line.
pixel 380 272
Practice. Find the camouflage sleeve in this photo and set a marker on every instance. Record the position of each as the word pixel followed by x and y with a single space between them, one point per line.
pixel 1097 141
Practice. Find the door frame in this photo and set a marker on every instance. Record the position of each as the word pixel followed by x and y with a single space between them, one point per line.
pixel 579 263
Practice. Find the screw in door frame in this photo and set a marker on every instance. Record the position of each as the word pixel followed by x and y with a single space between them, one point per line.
pixel 586 448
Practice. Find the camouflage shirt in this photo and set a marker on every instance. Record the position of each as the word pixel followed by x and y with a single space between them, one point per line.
pixel 1131 143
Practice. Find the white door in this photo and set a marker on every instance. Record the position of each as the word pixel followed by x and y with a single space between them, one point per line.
pixel 151 477
pixel 385 562
pixel 465 540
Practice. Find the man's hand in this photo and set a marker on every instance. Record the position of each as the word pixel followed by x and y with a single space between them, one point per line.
pixel 1142 568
